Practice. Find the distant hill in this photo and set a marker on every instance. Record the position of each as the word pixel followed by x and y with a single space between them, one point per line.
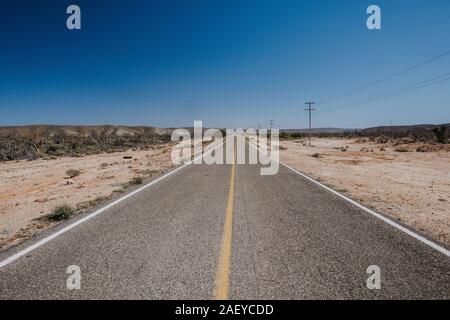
pixel 35 141
pixel 316 130
pixel 372 130
pixel 45 131
pixel 421 130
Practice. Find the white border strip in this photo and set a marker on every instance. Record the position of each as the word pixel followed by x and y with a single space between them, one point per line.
pixel 95 213
pixel 379 216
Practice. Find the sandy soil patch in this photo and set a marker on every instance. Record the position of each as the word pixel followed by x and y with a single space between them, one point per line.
pixel 29 190
pixel 399 180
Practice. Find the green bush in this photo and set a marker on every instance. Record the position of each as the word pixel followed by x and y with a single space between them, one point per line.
pixel 440 134
pixel 61 212
pixel 136 180
pixel 73 173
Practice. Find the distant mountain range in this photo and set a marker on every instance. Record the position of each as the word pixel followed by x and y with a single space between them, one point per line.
pixel 39 131
pixel 46 131
pixel 373 130
pixel 36 141
pixel 317 130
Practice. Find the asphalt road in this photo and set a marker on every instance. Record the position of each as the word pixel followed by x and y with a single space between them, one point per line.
pixel 225 231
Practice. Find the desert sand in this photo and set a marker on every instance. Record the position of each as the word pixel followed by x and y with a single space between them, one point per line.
pixel 394 178
pixel 29 190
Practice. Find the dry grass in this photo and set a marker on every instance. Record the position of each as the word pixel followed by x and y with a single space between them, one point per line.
pixel 61 212
pixel 72 173
pixel 412 187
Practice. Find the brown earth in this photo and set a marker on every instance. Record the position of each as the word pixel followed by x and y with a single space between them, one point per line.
pixel 29 190
pixel 409 182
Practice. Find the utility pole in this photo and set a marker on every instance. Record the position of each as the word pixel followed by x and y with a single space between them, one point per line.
pixel 309 109
pixel 271 122
pixel 107 132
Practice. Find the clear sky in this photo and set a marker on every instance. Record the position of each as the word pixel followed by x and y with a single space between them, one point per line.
pixel 230 63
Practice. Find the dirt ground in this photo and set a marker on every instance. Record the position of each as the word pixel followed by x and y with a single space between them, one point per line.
pixel 409 182
pixel 29 190
pixel 392 178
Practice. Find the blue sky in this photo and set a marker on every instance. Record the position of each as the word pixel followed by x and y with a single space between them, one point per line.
pixel 229 63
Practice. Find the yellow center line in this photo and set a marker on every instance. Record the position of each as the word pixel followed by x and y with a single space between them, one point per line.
pixel 223 269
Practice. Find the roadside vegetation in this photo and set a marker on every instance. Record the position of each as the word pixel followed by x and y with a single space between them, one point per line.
pixel 409 134
pixel 50 142
pixel 72 173
pixel 61 212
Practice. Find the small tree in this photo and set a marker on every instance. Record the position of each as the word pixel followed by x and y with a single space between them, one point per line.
pixel 440 134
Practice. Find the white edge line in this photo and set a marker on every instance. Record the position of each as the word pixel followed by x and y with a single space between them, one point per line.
pixel 97 212
pixel 379 216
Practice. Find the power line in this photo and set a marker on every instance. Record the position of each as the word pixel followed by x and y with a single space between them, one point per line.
pixel 409 88
pixel 393 93
pixel 416 86
pixel 309 104
pixel 419 87
pixel 386 78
